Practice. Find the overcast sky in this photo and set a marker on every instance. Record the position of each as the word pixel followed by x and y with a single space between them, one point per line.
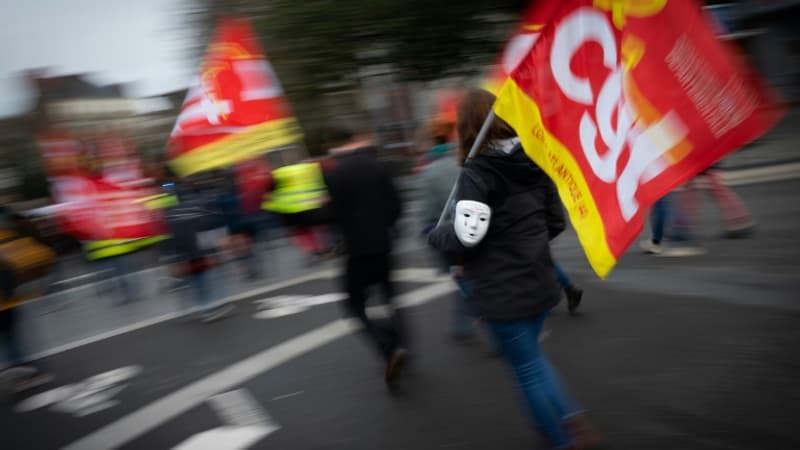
pixel 118 41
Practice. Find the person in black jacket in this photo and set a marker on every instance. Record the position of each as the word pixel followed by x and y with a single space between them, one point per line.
pixel 365 205
pixel 198 227
pixel 507 211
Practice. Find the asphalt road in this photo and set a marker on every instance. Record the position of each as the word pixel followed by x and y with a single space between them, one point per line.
pixel 689 353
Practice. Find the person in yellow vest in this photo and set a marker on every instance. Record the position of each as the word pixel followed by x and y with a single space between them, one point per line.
pixel 115 255
pixel 298 192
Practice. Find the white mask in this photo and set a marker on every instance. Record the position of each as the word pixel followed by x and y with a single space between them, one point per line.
pixel 471 222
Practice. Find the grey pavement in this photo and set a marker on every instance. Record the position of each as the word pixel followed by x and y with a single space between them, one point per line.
pixel 779 146
pixel 689 353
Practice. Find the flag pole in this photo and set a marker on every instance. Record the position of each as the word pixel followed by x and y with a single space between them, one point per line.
pixel 474 150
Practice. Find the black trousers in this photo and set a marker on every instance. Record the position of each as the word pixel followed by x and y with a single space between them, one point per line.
pixel 362 273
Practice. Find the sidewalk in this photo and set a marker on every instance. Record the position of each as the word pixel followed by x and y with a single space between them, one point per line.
pixel 780 146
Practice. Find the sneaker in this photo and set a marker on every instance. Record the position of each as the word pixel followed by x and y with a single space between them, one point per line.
pixel 740 233
pixel 216 313
pixel 651 248
pixel 681 251
pixel 574 295
pixel 33 379
pixel 395 365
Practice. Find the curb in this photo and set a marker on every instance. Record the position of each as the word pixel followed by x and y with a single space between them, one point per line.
pixel 762 174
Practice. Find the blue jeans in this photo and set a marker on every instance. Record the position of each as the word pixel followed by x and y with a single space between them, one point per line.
pixel 658 217
pixel 666 213
pixel 546 398
pixel 122 274
pixel 201 289
pixel 9 336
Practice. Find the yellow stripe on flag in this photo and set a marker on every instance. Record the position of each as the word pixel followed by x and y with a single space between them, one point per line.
pixel 522 113
pixel 238 147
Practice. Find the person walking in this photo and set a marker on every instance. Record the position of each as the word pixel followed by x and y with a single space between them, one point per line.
pixel 434 183
pixel 735 216
pixel 199 230
pixel 365 205
pixel 506 212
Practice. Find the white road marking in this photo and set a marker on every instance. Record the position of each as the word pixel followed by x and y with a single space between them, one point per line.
pixel 225 438
pixel 94 394
pixel 239 408
pixel 321 274
pixel 177 314
pixel 285 305
pixel 155 414
pixel 245 424
pixel 290 395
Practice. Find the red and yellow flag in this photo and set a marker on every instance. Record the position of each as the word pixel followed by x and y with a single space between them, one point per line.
pixel 621 101
pixel 520 43
pixel 235 108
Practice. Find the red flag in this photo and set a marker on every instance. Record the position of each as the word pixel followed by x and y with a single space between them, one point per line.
pixel 235 107
pixel 622 101
pixel 89 206
pixel 521 42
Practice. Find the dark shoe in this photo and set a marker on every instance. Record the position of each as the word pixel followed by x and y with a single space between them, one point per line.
pixel 395 365
pixel 574 296
pixel 583 434
pixel 740 233
pixel 32 379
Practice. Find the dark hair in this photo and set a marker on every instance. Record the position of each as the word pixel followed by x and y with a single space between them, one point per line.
pixel 342 131
pixel 472 112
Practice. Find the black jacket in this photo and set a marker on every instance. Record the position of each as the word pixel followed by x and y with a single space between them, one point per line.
pixel 198 211
pixel 364 202
pixel 511 267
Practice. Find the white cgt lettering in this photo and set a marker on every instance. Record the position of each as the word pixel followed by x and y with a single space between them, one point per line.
pixel 647 145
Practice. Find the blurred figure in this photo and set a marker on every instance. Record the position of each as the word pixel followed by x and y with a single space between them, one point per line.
pixel 736 217
pixel 507 211
pixel 23 258
pixel 365 205
pixel 199 229
pixel 665 216
pixel 573 293
pixel 111 255
pixel 298 192
pixel 241 230
pixel 436 179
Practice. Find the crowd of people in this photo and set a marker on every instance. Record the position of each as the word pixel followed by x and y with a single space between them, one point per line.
pixel 494 240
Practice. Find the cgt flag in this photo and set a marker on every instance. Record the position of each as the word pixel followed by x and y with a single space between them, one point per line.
pixel 621 101
pixel 235 109
pixel 520 43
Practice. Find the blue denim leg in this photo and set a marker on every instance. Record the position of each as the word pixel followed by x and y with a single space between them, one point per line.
pixel 201 288
pixel 563 278
pixel 544 394
pixel 659 215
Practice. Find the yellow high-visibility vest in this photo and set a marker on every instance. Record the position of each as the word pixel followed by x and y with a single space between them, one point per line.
pixel 107 248
pixel 299 187
pixel 161 200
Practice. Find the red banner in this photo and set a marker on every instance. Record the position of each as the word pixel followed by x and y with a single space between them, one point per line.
pixel 235 108
pixel 533 21
pixel 90 206
pixel 622 101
